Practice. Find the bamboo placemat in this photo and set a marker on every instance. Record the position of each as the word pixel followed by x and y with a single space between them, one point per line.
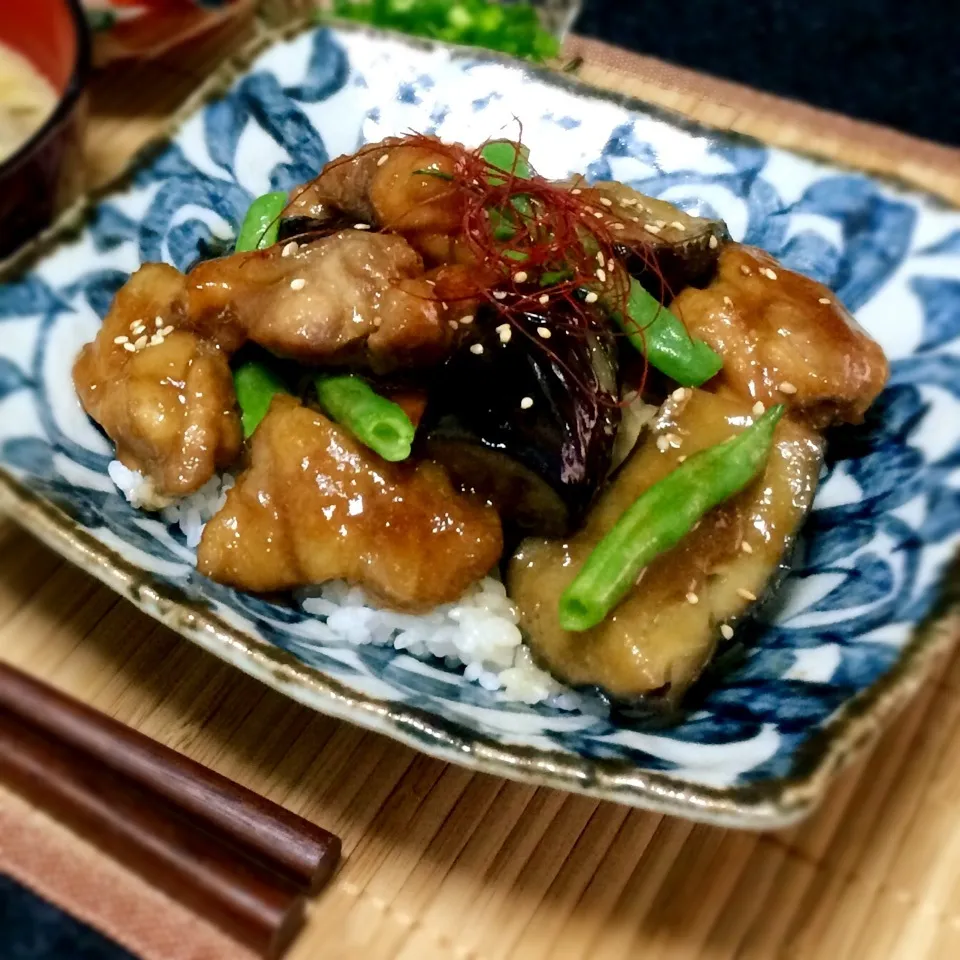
pixel 440 862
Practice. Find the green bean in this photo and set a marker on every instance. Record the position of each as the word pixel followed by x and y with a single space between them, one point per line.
pixel 663 340
pixel 262 222
pixel 375 421
pixel 661 516
pixel 255 385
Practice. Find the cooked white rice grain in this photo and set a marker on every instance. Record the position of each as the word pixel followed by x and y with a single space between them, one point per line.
pixel 479 630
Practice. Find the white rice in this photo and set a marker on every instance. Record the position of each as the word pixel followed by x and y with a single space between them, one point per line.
pixel 479 630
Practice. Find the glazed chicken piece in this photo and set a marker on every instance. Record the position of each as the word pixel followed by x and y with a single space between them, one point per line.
pixel 162 393
pixel 784 338
pixel 314 505
pixel 354 296
pixel 399 187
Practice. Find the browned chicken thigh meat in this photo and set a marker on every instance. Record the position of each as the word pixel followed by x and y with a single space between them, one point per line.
pixel 508 327
pixel 314 505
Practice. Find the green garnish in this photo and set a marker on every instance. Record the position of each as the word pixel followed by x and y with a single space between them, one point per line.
pixel 262 223
pixel 256 385
pixel 661 516
pixel 375 421
pixel 664 341
pixel 514 29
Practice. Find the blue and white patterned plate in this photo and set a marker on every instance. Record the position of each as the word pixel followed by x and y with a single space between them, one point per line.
pixel 858 622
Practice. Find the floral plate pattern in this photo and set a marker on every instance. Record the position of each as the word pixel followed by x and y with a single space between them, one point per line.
pixel 869 604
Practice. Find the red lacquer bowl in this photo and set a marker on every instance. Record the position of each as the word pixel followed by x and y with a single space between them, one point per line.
pixel 45 173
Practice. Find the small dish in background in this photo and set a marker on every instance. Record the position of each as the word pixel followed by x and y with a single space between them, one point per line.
pixel 46 42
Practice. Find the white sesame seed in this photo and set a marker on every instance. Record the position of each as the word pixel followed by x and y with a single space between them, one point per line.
pixel 140 342
pixel 677 225
pixel 156 340
pixel 651 228
pixel 635 219
pixel 499 295
pixel 504 332
pixel 606 201
pixel 692 598
pixel 681 459
pixel 758 408
pixel 824 300
pixel 726 631
pixel 679 394
pixel 383 159
pixel 727 302
pixel 138 328
pixel 601 274
pixel 787 387
pixel 591 297
pixel 745 594
pixel 158 322
pixel 629 202
pixel 663 444
pixel 167 330
pixel 600 259
pixel 121 339
pixel 130 347
pixel 674 440
pixel 617 226
pixel 377 321
pixel 660 223
pixel 477 349
pixel 453 324
pixel 520 276
pixel 745 546
pixel 298 283
pixel 576 193
pixel 598 215
pixel 745 270
pixel 768 273
pixel 543 298
pixel 290 249
pixel 526 403
pixel 610 264
pixel 361 226
pixel 713 242
pixel 467 320
pixel 544 333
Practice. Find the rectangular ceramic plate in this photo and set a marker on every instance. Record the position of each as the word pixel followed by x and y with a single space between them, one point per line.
pixel 858 622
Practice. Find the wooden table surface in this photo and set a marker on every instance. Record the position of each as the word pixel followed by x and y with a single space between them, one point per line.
pixel 441 862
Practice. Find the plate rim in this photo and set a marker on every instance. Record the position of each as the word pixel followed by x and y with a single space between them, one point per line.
pixel 772 803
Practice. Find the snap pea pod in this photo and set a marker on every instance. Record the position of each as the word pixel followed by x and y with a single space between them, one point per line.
pixel 262 222
pixel 664 341
pixel 375 421
pixel 255 385
pixel 661 516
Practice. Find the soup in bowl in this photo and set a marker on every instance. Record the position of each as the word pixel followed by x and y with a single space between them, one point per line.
pixel 44 59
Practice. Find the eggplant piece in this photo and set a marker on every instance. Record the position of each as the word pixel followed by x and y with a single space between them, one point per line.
pixel 659 639
pixel 665 248
pixel 529 423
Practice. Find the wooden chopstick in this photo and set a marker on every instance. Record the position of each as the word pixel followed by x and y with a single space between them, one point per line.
pixel 284 841
pixel 238 862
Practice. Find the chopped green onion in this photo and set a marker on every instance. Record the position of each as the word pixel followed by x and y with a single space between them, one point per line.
pixel 262 223
pixel 256 385
pixel 513 28
pixel 375 421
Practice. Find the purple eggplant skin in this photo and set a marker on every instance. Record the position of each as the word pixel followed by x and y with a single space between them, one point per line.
pixel 529 423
